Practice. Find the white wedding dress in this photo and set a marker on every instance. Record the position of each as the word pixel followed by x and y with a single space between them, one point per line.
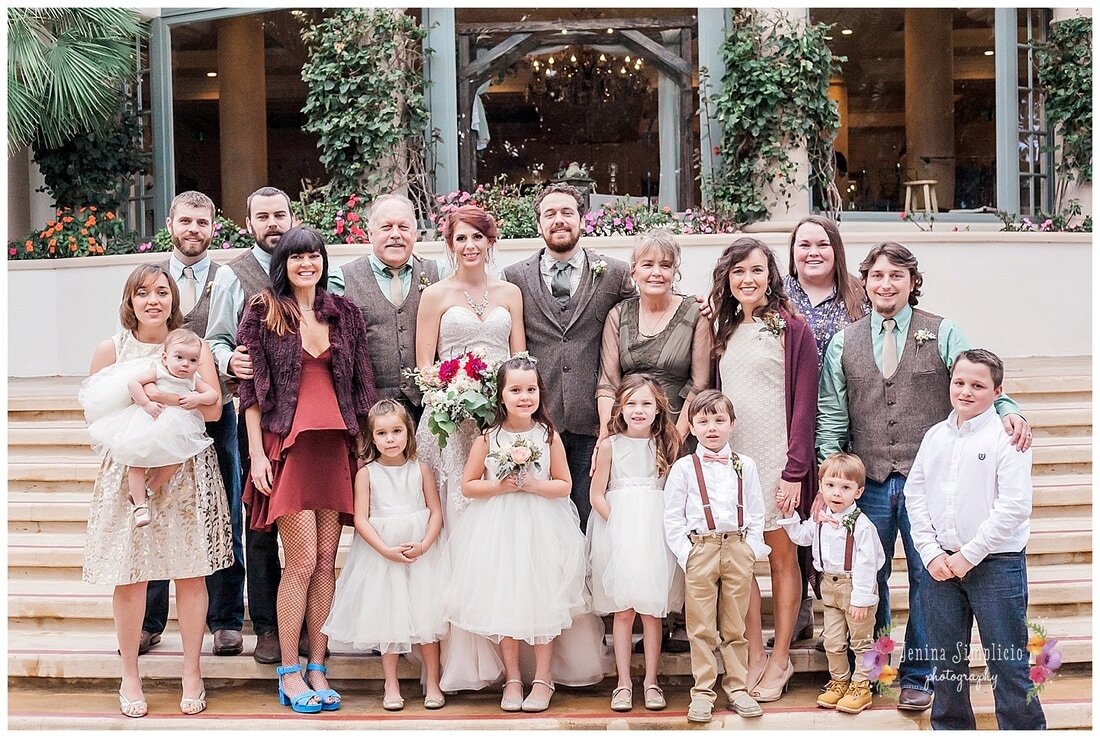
pixel 470 661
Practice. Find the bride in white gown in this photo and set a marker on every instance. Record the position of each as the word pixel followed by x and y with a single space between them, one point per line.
pixel 468 311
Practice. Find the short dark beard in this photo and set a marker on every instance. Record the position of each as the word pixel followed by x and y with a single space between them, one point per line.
pixel 562 250
pixel 263 245
pixel 177 243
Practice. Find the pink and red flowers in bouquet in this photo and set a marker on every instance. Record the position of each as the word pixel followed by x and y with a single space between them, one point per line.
pixel 456 389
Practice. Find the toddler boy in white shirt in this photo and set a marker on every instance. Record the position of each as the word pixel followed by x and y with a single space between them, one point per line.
pixel 714 523
pixel 968 497
pixel 848 553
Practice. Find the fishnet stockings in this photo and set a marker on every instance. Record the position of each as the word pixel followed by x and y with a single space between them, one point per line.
pixel 310 539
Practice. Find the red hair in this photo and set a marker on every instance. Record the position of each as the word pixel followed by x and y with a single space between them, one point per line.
pixel 473 216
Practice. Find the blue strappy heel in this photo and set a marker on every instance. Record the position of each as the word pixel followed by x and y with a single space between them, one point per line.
pixel 299 702
pixel 325 694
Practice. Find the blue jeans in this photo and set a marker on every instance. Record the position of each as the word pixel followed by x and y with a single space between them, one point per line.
pixel 995 594
pixel 578 451
pixel 884 505
pixel 226 586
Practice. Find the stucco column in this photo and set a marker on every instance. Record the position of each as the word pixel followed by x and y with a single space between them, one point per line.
pixel 798 204
pixel 929 103
pixel 242 111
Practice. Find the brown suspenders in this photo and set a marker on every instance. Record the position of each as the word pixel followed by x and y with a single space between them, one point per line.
pixel 849 549
pixel 706 499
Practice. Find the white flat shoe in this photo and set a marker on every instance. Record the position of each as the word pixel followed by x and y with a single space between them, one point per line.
pixel 532 705
pixel 512 705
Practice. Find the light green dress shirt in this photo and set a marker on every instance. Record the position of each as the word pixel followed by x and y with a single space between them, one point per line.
pixel 378 267
pixel 832 399
pixel 226 309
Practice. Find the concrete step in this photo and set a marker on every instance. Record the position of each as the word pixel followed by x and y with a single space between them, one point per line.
pixel 1059 418
pixel 58 544
pixel 248 706
pixel 74 652
pixel 1064 589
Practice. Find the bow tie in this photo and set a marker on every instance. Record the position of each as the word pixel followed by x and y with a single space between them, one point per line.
pixel 720 458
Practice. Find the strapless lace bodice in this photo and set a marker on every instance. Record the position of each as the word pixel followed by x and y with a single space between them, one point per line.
pixel 460 330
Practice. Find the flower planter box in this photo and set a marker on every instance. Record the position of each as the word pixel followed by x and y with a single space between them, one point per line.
pixel 59 309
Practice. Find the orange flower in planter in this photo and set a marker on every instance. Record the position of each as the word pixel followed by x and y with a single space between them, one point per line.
pixel 92 208
pixel 110 216
pixel 83 231
pixel 29 246
pixel 67 219
pixel 53 242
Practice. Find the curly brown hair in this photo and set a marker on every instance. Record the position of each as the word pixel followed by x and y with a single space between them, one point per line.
pixel 568 189
pixel 666 439
pixel 899 256
pixel 727 310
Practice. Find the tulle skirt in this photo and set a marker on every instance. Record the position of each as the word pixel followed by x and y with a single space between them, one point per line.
pixel 135 438
pixel 631 565
pixel 387 606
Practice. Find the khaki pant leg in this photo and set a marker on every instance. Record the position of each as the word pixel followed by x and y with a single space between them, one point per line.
pixel 701 614
pixel 861 634
pixel 835 634
pixel 733 606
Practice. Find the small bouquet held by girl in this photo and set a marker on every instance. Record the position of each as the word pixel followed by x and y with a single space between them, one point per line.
pixel 455 390
pixel 516 458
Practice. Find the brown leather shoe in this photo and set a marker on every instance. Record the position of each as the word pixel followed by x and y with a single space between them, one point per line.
pixel 914 700
pixel 148 640
pixel 267 649
pixel 228 642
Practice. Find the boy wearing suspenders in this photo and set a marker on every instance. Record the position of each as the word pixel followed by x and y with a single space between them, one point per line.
pixel 714 524
pixel 848 553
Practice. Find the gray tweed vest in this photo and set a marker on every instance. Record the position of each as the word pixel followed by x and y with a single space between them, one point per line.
pixel 889 417
pixel 391 330
pixel 251 275
pixel 197 319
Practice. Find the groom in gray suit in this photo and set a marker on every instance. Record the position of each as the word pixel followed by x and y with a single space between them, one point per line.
pixel 567 293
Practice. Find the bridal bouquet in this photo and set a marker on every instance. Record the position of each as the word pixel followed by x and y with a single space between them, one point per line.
pixel 454 390
pixel 516 457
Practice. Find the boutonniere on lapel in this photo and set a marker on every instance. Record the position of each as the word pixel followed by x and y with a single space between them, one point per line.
pixel 209 287
pixel 922 336
pixel 849 520
pixel 738 465
pixel 774 324
pixel 597 268
pixel 424 283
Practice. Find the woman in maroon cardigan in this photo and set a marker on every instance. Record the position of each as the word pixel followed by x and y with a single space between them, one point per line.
pixel 309 345
pixel 767 366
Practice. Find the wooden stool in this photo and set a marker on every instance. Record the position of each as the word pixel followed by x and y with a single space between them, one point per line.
pixel 929 192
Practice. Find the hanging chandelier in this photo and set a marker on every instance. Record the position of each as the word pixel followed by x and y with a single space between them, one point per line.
pixel 585 76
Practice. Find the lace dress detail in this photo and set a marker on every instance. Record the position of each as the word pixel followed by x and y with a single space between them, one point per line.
pixel 460 330
pixel 189 535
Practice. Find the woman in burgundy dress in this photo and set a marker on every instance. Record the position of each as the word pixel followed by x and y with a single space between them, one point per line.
pixel 307 344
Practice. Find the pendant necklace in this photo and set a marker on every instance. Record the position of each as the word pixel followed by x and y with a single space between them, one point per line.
pixel 478 307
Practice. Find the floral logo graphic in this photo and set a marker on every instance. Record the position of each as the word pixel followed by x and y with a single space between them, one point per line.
pixel 1048 658
pixel 877 661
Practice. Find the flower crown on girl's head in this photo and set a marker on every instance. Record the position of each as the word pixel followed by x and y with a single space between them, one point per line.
pixel 523 355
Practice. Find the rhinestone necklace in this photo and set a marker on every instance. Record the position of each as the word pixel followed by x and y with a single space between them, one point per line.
pixel 478 307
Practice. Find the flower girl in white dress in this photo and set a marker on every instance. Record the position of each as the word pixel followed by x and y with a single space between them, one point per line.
pixel 516 554
pixel 389 594
pixel 632 569
pixel 143 434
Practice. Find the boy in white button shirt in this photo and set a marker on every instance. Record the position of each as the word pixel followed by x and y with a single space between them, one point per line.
pixel 716 531
pixel 848 553
pixel 968 497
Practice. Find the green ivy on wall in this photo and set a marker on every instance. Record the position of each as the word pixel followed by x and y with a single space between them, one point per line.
pixel 773 100
pixel 1065 76
pixel 366 102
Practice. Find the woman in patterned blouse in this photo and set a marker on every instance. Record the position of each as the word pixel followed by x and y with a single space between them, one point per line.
pixel 819 284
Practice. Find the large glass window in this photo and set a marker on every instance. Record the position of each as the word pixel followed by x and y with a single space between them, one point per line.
pixel 1036 159
pixel 918 102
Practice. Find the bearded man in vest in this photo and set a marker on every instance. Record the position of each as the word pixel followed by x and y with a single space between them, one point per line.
pixel 885 381
pixel 386 285
pixel 190 224
pixel 269 217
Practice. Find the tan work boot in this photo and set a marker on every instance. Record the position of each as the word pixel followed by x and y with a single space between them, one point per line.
pixel 834 692
pixel 856 699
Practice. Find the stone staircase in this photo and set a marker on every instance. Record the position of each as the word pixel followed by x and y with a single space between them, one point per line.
pixel 60 629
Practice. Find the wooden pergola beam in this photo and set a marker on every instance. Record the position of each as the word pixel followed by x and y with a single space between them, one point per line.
pixel 501 56
pixel 602 24
pixel 670 63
